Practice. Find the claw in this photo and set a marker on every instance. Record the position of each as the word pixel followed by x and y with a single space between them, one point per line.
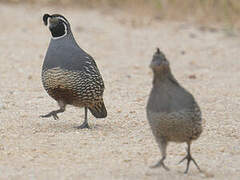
pixel 189 159
pixel 53 114
pixel 85 123
pixel 159 164
pixel 83 126
pixel 182 160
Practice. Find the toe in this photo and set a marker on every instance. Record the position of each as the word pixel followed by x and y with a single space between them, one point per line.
pixel 83 126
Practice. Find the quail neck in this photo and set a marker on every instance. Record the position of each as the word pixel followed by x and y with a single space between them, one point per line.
pixel 167 90
pixel 162 75
pixel 62 52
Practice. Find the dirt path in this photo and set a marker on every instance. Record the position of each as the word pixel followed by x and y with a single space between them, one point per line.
pixel 120 146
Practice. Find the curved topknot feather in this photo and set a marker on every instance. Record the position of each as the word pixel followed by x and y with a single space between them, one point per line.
pixel 45 18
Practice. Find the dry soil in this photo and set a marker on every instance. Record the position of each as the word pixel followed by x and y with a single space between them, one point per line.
pixel 205 61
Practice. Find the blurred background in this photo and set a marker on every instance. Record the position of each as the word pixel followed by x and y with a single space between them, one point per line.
pixel 205 11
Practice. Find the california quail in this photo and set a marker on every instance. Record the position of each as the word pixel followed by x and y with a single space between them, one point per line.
pixel 69 74
pixel 172 112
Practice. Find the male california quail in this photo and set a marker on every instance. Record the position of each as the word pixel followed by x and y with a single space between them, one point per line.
pixel 69 74
pixel 172 112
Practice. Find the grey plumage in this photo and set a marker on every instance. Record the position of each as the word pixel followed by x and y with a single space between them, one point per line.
pixel 69 74
pixel 172 112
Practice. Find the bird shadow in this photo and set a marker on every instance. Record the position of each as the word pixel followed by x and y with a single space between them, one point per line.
pixel 65 127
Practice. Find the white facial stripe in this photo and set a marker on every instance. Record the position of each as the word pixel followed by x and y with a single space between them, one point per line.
pixel 65 29
pixel 62 19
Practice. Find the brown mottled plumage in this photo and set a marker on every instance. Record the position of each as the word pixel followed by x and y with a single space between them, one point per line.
pixel 74 88
pixel 172 112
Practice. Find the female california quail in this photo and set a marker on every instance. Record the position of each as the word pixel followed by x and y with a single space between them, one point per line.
pixel 172 112
pixel 69 74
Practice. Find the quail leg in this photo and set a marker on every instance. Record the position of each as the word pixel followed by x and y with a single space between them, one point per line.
pixel 54 113
pixel 189 159
pixel 163 147
pixel 85 123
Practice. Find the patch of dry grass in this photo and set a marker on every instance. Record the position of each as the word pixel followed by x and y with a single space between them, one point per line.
pixel 205 11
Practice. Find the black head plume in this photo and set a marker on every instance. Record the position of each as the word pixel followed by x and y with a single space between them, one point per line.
pixel 159 54
pixel 159 61
pixel 45 18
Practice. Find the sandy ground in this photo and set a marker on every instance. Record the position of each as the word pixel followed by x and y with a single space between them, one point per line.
pixel 120 146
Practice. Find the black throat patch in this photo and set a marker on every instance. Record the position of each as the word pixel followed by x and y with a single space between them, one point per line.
pixel 58 30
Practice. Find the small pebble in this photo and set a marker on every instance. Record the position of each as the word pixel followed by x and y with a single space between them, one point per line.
pixel 1 105
pixel 183 52
pixel 192 76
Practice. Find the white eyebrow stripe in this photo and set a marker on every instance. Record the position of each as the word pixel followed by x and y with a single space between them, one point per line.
pixel 62 19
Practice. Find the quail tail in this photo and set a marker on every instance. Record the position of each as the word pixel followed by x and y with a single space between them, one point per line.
pixel 98 110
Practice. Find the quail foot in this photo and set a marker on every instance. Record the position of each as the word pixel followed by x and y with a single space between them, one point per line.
pixel 69 74
pixel 172 112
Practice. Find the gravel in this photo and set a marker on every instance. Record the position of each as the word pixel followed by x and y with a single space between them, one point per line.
pixel 120 146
